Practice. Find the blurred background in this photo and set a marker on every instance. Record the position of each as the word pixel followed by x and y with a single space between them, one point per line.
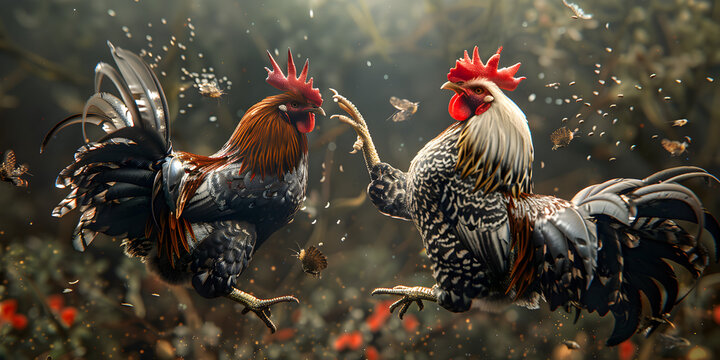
pixel 620 72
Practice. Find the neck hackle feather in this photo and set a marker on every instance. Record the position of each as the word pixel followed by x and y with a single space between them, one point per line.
pixel 495 147
pixel 264 141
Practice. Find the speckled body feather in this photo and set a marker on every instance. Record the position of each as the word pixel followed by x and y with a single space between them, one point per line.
pixel 491 239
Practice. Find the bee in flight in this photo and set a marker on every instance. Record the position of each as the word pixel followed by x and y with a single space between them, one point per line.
pixel 405 109
pixel 562 137
pixel 210 89
pixel 11 172
pixel 675 148
pixel 313 261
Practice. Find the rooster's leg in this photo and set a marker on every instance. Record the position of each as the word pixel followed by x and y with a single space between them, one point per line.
pixel 415 294
pixel 261 307
pixel 357 122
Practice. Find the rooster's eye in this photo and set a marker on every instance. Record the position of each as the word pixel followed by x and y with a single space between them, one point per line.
pixel 479 90
pixel 294 104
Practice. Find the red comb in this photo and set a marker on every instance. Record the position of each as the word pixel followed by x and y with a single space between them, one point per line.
pixel 277 79
pixel 466 69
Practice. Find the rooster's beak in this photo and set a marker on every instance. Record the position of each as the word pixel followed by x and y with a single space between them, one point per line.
pixel 318 110
pixel 453 86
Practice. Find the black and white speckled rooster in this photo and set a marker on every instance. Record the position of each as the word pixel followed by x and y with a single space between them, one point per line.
pixel 190 217
pixel 492 240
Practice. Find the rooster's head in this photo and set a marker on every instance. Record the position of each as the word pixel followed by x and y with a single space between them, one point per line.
pixel 301 101
pixel 477 85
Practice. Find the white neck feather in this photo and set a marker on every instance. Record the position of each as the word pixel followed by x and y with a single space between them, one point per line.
pixel 497 145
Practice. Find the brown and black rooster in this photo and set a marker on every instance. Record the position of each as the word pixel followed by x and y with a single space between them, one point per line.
pixel 492 240
pixel 190 217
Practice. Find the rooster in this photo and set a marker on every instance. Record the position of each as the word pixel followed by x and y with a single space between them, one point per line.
pixel 492 240
pixel 189 217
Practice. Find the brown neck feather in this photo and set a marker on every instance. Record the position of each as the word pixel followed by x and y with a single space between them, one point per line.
pixel 264 140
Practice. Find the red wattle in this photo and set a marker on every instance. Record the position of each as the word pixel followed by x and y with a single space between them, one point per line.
pixel 307 125
pixel 459 109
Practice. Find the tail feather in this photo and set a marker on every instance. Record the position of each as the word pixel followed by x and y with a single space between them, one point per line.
pixel 643 267
pixel 667 174
pixel 117 218
pixel 607 204
pixel 82 237
pixel 712 226
pixel 103 70
pixel 111 180
pixel 148 140
pixel 129 176
pixel 104 122
pixel 627 316
pixel 146 89
pixel 636 225
pixel 610 263
pixel 122 190
pixel 648 287
pixel 109 106
pixel 614 243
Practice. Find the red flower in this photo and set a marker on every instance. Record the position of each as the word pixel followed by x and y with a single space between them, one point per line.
pixel 372 353
pixel 380 316
pixel 68 315
pixel 626 350
pixel 281 335
pixel 355 341
pixel 55 302
pixel 19 321
pixel 350 341
pixel 716 314
pixel 410 323
pixel 8 309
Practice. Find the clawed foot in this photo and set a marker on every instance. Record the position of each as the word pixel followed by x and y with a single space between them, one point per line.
pixel 261 307
pixel 357 122
pixel 415 294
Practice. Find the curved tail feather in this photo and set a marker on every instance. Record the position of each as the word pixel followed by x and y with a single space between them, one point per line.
pixel 112 180
pixel 622 250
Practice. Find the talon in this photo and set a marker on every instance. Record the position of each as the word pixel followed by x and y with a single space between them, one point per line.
pixel 261 307
pixel 358 124
pixel 409 295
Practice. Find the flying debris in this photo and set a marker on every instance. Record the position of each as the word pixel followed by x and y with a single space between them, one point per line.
pixel 405 107
pixel 572 345
pixel 579 12
pixel 671 341
pixel 675 148
pixel 210 89
pixel 562 137
pixel 11 172
pixel 680 122
pixel 313 261
pixel 552 85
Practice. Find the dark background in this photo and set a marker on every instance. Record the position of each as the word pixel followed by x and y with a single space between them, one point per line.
pixel 369 50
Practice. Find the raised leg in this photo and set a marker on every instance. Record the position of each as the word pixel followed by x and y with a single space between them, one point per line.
pixel 218 261
pixel 357 122
pixel 415 294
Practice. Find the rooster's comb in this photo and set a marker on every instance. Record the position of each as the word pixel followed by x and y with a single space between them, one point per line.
pixel 466 69
pixel 290 83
